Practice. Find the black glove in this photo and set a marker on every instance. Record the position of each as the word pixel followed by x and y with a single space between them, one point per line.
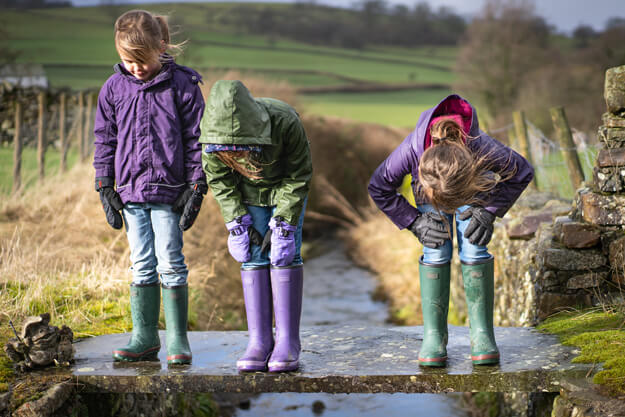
pixel 255 237
pixel 188 204
pixel 266 244
pixel 111 201
pixel 430 229
pixel 480 228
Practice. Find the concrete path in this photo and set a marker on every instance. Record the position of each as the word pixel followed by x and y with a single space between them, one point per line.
pixel 335 359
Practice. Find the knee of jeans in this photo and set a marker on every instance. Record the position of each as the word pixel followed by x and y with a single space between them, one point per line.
pixel 472 253
pixel 440 255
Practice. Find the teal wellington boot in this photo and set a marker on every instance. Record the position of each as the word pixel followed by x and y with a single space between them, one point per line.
pixel 176 304
pixel 479 288
pixel 145 303
pixel 434 281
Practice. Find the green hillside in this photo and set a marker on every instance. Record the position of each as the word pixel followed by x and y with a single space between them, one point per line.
pixel 75 45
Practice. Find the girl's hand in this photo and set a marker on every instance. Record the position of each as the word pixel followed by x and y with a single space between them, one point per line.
pixel 189 203
pixel 282 250
pixel 239 237
pixel 480 228
pixel 111 201
pixel 430 229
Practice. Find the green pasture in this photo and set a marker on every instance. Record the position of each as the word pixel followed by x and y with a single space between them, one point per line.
pixel 76 47
pixel 397 108
pixel 29 166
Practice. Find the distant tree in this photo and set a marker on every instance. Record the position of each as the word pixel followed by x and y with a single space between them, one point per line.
pixel 615 23
pixel 582 35
pixel 503 45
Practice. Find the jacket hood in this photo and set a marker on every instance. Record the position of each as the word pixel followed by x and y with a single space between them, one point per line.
pixel 233 117
pixel 450 105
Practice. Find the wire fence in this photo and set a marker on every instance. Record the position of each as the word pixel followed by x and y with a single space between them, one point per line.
pixel 550 166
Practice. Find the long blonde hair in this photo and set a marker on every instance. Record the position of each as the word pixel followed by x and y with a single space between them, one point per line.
pixel 450 175
pixel 142 36
pixel 241 162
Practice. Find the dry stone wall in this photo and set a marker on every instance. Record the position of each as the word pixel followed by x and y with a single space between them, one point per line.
pixel 552 255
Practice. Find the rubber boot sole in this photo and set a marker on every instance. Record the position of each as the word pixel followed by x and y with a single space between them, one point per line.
pixel 147 355
pixel 485 359
pixel 283 366
pixel 179 360
pixel 433 362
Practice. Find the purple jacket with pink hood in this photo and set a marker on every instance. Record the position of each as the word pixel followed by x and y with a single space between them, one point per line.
pixel 404 160
pixel 146 133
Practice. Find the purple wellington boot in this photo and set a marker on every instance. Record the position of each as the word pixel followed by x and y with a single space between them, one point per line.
pixel 257 294
pixel 287 287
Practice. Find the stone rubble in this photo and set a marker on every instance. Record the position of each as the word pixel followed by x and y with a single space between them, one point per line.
pixel 40 344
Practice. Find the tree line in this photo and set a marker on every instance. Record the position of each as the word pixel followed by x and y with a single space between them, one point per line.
pixel 511 59
pixel 368 22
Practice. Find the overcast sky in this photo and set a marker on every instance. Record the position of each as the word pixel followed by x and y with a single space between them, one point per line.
pixel 565 15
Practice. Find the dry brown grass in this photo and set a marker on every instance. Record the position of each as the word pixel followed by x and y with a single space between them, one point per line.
pixel 58 254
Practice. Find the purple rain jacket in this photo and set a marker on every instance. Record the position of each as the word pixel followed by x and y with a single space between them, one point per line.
pixel 405 160
pixel 146 133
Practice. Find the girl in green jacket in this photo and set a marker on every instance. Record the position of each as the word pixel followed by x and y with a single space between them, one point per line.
pixel 257 162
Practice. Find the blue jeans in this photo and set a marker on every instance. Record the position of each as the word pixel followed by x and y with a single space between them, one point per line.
pixel 468 252
pixel 261 217
pixel 155 244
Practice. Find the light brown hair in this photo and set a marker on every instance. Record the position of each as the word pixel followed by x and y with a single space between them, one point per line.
pixel 241 162
pixel 450 175
pixel 143 36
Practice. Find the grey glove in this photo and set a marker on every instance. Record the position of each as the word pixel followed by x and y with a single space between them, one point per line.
pixel 430 229
pixel 480 228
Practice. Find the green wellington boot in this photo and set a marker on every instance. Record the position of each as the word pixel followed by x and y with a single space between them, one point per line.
pixel 176 304
pixel 434 281
pixel 479 285
pixel 145 303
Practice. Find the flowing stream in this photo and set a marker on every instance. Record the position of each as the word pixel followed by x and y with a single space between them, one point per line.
pixel 338 292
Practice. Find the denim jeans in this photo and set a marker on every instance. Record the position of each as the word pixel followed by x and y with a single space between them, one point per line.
pixel 155 244
pixel 261 217
pixel 467 251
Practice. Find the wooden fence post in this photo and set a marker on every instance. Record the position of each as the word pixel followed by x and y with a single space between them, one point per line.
pixel 79 130
pixel 41 135
pixel 62 136
pixel 520 128
pixel 17 143
pixel 87 127
pixel 569 152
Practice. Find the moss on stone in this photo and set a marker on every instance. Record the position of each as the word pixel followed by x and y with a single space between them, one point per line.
pixel 600 336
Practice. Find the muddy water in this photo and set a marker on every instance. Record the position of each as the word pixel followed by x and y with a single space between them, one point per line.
pixel 338 292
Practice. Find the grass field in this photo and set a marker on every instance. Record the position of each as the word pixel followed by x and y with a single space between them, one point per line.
pixel 400 108
pixel 75 45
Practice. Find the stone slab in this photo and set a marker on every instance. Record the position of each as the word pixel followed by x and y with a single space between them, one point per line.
pixel 612 137
pixel 573 260
pixel 602 210
pixel 610 120
pixel 614 89
pixel 611 157
pixel 335 359
pixel 576 235
pixel 609 179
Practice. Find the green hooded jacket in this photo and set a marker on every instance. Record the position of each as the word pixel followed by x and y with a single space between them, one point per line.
pixel 233 117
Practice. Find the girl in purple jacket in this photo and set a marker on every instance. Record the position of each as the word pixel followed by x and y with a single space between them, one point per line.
pixel 457 171
pixel 148 165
